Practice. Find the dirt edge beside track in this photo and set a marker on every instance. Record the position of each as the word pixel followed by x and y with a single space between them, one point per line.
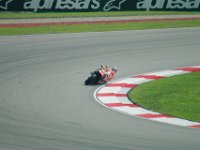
pixel 23 23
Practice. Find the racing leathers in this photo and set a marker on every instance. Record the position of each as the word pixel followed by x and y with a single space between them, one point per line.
pixel 109 74
pixel 105 74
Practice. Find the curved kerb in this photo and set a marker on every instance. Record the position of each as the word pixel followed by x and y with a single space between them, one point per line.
pixel 114 96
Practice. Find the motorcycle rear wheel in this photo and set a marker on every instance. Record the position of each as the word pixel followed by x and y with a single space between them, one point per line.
pixel 92 80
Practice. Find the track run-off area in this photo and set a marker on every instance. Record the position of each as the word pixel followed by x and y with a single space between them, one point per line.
pixel 25 23
pixel 44 104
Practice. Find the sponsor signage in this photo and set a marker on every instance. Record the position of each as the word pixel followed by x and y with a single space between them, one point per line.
pixel 98 5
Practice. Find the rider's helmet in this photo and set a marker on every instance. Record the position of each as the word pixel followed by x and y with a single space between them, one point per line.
pixel 115 69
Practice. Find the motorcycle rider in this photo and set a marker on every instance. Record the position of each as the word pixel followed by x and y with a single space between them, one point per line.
pixel 105 74
pixel 109 74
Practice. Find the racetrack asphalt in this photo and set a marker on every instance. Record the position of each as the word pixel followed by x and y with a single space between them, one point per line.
pixel 45 106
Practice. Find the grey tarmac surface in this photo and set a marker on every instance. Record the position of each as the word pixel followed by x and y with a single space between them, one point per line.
pixel 45 106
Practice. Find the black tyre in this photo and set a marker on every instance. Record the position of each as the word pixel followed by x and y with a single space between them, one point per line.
pixel 91 80
pixel 87 82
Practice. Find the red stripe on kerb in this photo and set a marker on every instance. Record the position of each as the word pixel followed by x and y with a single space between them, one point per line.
pixel 190 69
pixel 195 126
pixel 124 85
pixel 111 94
pixel 149 77
pixel 120 104
pixel 153 116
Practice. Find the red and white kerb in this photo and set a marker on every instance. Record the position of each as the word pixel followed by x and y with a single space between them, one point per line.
pixel 114 96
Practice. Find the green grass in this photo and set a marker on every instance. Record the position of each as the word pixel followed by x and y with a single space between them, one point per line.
pixel 11 15
pixel 98 27
pixel 177 96
pixel 94 27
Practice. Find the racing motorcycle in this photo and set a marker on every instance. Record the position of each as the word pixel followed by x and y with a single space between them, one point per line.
pixel 96 77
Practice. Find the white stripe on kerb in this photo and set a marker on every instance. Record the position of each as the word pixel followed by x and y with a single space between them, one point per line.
pixel 124 90
pixel 175 121
pixel 118 90
pixel 135 80
pixel 134 110
pixel 195 67
pixel 109 99
pixel 125 100
pixel 109 90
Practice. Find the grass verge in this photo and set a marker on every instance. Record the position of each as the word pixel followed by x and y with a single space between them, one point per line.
pixel 31 15
pixel 177 96
pixel 99 27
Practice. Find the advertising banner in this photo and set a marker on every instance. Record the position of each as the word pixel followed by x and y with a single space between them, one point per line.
pixel 98 5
